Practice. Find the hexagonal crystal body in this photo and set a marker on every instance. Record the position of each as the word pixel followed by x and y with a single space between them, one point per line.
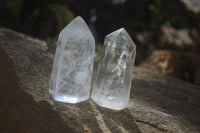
pixel 73 63
pixel 114 75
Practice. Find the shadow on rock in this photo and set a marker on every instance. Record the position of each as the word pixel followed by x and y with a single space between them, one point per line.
pixel 19 113
pixel 174 96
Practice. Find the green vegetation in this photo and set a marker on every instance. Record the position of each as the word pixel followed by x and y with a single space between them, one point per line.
pixel 43 18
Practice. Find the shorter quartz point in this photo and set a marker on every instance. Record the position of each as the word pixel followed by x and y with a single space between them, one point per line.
pixel 114 75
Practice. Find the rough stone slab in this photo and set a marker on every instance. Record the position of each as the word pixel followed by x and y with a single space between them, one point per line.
pixel 157 104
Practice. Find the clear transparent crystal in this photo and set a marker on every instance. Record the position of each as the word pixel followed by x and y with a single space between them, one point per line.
pixel 73 63
pixel 114 75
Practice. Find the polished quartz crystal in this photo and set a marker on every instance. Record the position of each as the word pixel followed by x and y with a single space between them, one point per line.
pixel 73 63
pixel 114 75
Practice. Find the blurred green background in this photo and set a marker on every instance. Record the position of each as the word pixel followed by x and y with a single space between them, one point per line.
pixel 166 32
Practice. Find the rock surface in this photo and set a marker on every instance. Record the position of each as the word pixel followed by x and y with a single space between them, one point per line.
pixel 183 65
pixel 157 104
pixel 178 39
pixel 193 5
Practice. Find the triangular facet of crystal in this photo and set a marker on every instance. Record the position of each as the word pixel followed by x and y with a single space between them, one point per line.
pixel 114 75
pixel 73 63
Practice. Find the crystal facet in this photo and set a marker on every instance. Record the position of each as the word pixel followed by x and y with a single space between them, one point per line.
pixel 114 75
pixel 73 63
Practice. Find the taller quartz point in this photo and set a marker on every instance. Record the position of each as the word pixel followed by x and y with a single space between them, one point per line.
pixel 114 75
pixel 73 63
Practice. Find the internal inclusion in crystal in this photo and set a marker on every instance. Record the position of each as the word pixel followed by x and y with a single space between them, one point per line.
pixel 114 75
pixel 73 63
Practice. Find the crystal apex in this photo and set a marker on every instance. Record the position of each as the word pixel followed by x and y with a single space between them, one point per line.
pixel 78 18
pixel 120 32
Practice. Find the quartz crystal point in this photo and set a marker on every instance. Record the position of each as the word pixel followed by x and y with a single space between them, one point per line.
pixel 114 75
pixel 73 63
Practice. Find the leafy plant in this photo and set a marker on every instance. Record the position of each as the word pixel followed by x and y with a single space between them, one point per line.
pixel 40 18
pixel 63 15
pixel 13 6
pixel 155 8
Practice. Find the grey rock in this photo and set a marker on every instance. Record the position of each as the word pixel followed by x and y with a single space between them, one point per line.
pixel 158 103
pixel 193 5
